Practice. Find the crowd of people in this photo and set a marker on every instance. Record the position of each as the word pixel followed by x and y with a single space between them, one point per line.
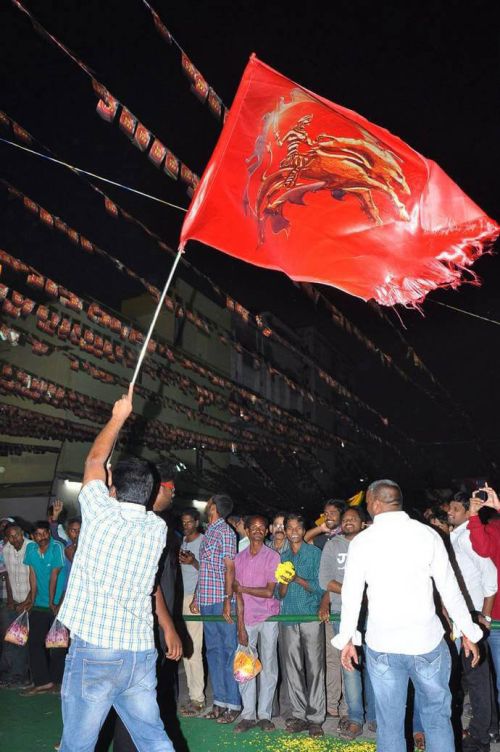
pixel 381 619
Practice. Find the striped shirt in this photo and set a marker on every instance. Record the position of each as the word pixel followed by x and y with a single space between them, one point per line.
pixel 218 544
pixel 108 597
pixel 18 571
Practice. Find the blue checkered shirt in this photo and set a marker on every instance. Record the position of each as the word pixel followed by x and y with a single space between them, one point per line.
pixel 218 544
pixel 108 597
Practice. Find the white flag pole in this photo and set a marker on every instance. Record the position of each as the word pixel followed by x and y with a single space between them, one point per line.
pixel 155 317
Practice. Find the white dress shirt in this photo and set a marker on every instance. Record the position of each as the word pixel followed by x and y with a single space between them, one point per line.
pixel 397 557
pixel 479 574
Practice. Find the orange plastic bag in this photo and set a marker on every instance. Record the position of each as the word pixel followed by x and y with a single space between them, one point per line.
pixel 246 664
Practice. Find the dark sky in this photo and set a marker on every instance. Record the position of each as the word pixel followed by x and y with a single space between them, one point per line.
pixel 426 71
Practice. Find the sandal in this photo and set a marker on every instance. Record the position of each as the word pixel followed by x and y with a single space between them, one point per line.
pixel 41 690
pixel 343 723
pixel 315 730
pixel 296 725
pixel 229 716
pixel 192 709
pixel 266 725
pixel 245 725
pixel 419 740
pixel 351 731
pixel 216 713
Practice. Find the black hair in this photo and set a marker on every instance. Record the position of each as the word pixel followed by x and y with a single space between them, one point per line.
pixel 223 504
pixel 439 514
pixel 256 516
pixel 73 521
pixel 293 516
pixel 192 512
pixel 277 514
pixel 12 526
pixel 462 498
pixel 359 511
pixel 41 525
pixel 166 471
pixel 337 503
pixel 133 480
pixel 386 491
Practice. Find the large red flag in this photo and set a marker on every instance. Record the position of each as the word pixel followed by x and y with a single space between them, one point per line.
pixel 300 184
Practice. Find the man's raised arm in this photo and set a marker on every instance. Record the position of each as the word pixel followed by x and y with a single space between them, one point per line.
pixel 95 464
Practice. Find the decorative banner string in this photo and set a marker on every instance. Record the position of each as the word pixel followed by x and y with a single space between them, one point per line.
pixel 86 245
pixel 114 210
pixel 338 318
pixel 94 343
pixel 93 175
pixel 108 107
pixel 199 86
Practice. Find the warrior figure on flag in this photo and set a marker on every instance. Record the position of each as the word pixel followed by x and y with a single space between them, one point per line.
pixel 342 165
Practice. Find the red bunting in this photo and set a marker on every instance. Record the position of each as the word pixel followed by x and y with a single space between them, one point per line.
pixel 315 190
pixel 157 152
pixel 128 122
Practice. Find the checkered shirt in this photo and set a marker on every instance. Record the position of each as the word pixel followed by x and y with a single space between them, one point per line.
pixel 108 597
pixel 19 573
pixel 218 544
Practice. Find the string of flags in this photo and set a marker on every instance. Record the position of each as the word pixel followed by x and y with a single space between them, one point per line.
pixel 312 292
pixel 179 309
pixel 199 86
pixel 92 342
pixel 109 107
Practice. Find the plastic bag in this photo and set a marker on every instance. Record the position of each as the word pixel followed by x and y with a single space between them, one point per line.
pixel 18 631
pixel 246 664
pixel 57 636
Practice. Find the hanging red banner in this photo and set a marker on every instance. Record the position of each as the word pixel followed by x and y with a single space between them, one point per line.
pixel 305 186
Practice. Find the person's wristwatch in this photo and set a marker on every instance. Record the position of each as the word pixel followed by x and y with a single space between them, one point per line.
pixel 486 618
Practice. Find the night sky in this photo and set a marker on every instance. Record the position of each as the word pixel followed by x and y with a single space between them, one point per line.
pixel 426 71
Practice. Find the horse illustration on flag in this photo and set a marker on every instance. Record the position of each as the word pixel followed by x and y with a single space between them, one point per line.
pixel 358 165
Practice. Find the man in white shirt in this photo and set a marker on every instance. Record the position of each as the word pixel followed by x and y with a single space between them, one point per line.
pixel 107 606
pixel 478 578
pixel 398 559
pixel 14 666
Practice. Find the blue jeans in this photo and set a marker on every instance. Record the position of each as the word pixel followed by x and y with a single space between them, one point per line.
pixel 221 642
pixel 430 674
pixel 354 682
pixel 97 678
pixel 494 642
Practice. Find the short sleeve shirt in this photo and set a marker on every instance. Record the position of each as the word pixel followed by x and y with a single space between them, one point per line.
pixel 256 571
pixel 43 564
pixel 219 543
pixel 108 598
